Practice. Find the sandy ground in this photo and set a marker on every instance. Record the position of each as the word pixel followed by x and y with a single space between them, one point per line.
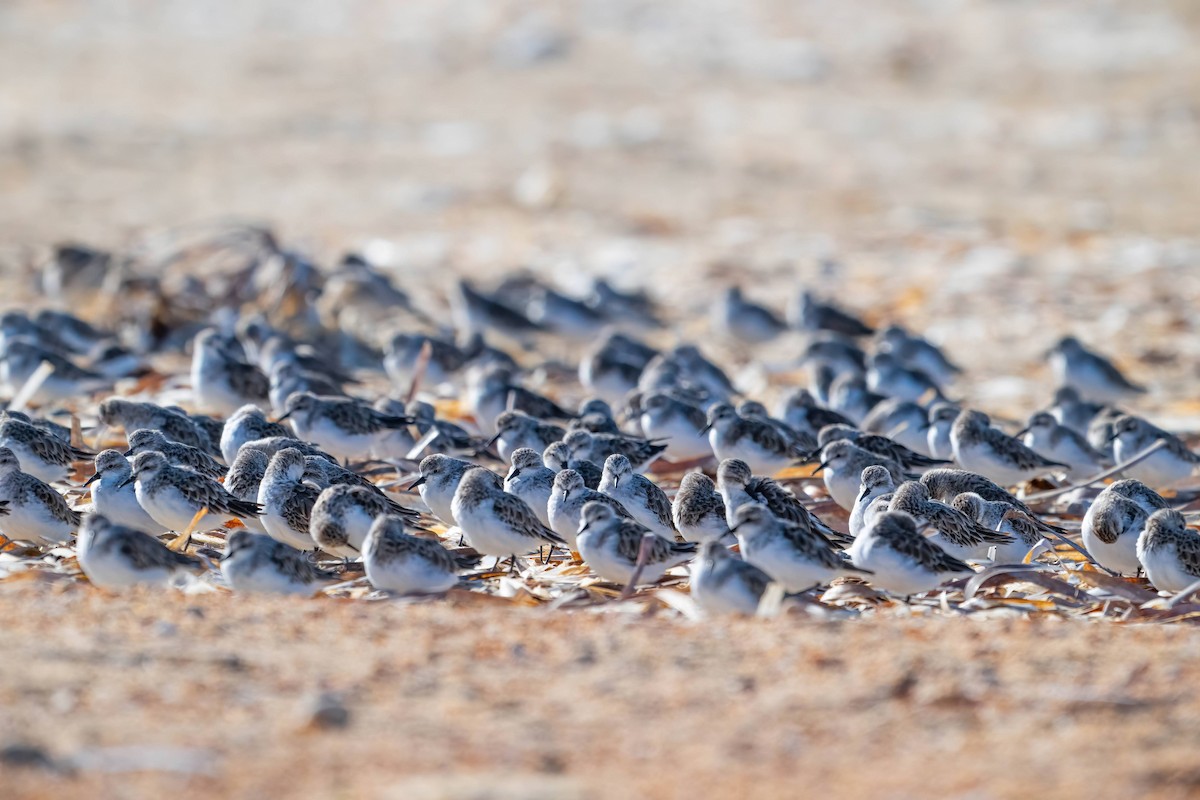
pixel 990 172
pixel 460 699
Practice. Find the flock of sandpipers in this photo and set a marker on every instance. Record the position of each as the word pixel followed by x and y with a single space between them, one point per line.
pixel 640 462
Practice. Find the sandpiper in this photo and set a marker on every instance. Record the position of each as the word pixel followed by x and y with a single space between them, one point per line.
pixel 876 482
pixel 678 424
pixel 244 479
pixel 438 435
pixel 116 557
pixel 881 446
pixel 1170 551
pixel 850 396
pixel 1072 410
pixel 989 451
pixel 810 314
pixel 758 443
pixel 173 496
pixel 700 371
pixel 801 411
pixel 287 501
pixel 247 424
pixel 41 453
pixel 1173 463
pixel 903 421
pixel 221 381
pixel 937 435
pixel 610 545
pixel 345 428
pixel 1057 442
pixel 181 455
pixel 1114 522
pixel 1092 375
pixel 640 496
pixel 596 447
pixel 515 430
pixel 558 457
pixel 724 584
pixel 175 425
pixel 801 440
pixel 492 391
pixel 256 563
pixel 532 481
pixel 751 323
pixel 33 512
pixel 901 560
pixel 342 516
pixel 957 533
pixel 496 523
pixel 612 368
pixel 793 555
pixel 917 353
pixel 566 316
pixel 568 496
pixel 886 375
pixel 440 477
pixel 114 497
pixel 287 377
pixel 698 509
pixel 739 486
pixel 843 463
pixel 404 351
pixel 396 561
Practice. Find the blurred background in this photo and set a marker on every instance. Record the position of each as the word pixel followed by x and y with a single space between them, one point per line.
pixel 954 158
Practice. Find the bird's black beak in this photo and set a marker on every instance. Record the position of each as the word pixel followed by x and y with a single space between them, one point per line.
pixel 128 452
pixel 706 428
pixel 1113 437
pixel 514 472
pixel 285 415
pixel 95 477
pixel 488 445
pixel 1021 432
pixel 735 527
pixel 820 467
pixel 415 484
pixel 126 482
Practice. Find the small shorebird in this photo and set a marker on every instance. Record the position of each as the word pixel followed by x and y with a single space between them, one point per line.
pixel 901 560
pixel 698 509
pixel 1170 551
pixel 724 584
pixel 981 448
pixel 114 496
pixel 256 563
pixel 116 557
pixel 640 496
pixel 1089 373
pixel 611 544
pixel 496 523
pixel 396 561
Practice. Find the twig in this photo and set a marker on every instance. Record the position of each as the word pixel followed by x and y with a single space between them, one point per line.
pixel 419 370
pixel 1185 594
pixel 643 555
pixel 31 386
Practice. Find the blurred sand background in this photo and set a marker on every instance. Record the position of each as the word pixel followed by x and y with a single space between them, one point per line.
pixel 991 171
